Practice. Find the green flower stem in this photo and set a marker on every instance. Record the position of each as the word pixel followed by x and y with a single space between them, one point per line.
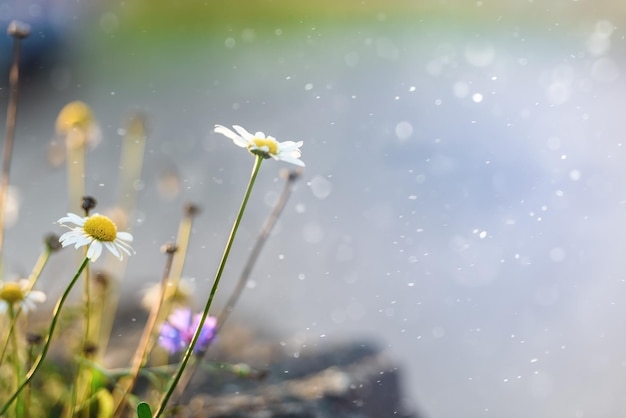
pixel 245 275
pixel 44 351
pixel 181 368
pixel 19 406
pixel 82 387
pixel 6 343
pixel 29 363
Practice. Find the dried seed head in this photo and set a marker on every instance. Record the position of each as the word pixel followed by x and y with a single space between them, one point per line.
pixel 102 279
pixel 291 175
pixel 169 248
pixel 90 349
pixel 34 339
pixel 89 202
pixel 52 242
pixel 18 30
pixel 191 209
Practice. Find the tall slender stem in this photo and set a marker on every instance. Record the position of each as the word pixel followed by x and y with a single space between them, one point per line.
pixel 44 351
pixel 245 274
pixel 146 342
pixel 131 163
pixel 218 275
pixel 176 271
pixel 83 382
pixel 39 266
pixel 18 31
pixel 6 343
pixel 19 405
pixel 178 263
pixel 256 250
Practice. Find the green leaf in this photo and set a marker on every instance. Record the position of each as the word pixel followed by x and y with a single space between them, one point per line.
pixel 143 410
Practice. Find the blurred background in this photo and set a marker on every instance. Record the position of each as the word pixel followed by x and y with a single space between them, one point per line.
pixel 463 203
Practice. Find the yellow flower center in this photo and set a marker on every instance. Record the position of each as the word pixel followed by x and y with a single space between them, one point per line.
pixel 269 144
pixel 12 292
pixel 101 228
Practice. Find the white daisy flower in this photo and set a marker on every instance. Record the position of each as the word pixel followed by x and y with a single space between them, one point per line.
pixel 96 231
pixel 18 293
pixel 264 146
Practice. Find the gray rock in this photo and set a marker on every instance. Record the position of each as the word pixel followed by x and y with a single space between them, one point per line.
pixel 352 380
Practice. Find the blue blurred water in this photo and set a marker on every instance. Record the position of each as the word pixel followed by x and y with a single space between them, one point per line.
pixel 462 204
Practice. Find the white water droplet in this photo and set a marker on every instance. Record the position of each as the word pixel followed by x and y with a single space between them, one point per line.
pixel 321 187
pixel 404 130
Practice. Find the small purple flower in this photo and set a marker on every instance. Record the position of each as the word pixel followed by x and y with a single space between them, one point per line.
pixel 177 331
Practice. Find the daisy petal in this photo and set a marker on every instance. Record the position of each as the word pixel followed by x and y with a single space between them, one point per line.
pixel 125 236
pixel 292 160
pixel 244 134
pixel 73 218
pixel 37 296
pixel 239 141
pixel 94 251
pixel 113 248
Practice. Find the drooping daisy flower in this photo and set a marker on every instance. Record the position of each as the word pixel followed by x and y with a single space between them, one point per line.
pixel 264 146
pixel 177 332
pixel 18 293
pixel 96 231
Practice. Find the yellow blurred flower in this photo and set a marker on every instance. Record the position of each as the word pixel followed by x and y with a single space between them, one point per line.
pixel 74 115
pixel 19 293
pixel 77 124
